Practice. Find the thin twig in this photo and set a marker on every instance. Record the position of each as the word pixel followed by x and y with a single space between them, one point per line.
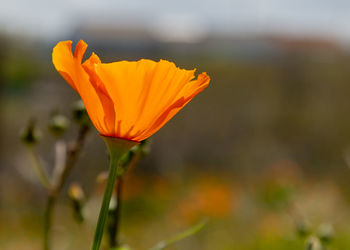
pixel 72 156
pixel 60 160
pixel 59 180
pixel 49 210
pixel 38 168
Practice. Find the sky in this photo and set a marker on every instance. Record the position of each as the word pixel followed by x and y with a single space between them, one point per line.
pixel 182 19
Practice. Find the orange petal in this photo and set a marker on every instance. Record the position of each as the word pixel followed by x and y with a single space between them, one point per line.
pixel 70 68
pixel 105 99
pixel 190 90
pixel 141 91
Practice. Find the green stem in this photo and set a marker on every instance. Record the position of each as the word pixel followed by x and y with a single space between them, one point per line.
pixel 117 148
pixel 105 203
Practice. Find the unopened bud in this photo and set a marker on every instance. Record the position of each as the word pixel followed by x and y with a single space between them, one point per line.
pixel 313 243
pixel 76 194
pixel 58 124
pixel 80 115
pixel 113 204
pixel 31 134
pixel 136 152
pixel 326 233
pixel 102 177
pixel 303 228
pixel 145 147
pixel 126 158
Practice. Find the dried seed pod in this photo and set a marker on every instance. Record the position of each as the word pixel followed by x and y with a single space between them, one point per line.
pixel 58 124
pixel 31 135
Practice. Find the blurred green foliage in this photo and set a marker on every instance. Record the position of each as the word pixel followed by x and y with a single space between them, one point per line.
pixel 19 67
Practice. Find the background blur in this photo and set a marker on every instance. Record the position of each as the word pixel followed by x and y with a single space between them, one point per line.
pixel 263 151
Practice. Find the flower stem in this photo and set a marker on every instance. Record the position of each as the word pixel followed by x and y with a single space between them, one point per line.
pixel 105 203
pixel 117 148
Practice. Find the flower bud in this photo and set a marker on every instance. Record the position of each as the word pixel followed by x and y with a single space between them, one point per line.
pixel 303 228
pixel 326 233
pixel 313 243
pixel 31 134
pixel 126 158
pixel 58 124
pixel 102 177
pixel 80 115
pixel 145 147
pixel 76 195
pixel 75 192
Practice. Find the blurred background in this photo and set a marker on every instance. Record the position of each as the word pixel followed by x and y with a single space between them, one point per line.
pixel 263 151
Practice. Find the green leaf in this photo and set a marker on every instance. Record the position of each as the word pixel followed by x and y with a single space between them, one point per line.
pixel 121 248
pixel 190 231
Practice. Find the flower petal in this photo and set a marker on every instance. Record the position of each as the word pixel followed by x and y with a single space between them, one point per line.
pixel 190 90
pixel 70 68
pixel 105 99
pixel 141 91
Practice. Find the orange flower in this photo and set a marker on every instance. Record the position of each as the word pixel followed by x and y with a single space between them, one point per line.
pixel 127 99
